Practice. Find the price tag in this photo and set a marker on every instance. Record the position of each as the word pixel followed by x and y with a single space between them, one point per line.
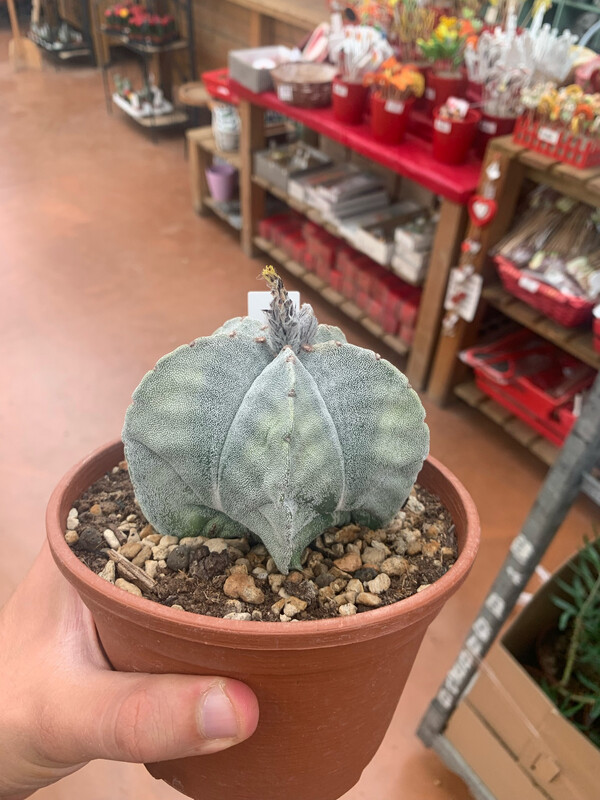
pixel 529 284
pixel 548 135
pixel 285 92
pixel 469 292
pixel 489 127
pixel 340 89
pixel 429 93
pixel 394 106
pixel 258 301
pixel 442 125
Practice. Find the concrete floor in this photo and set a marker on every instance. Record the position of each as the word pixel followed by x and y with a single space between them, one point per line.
pixel 105 268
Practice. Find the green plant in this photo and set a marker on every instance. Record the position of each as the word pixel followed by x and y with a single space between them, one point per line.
pixel 577 692
pixel 281 430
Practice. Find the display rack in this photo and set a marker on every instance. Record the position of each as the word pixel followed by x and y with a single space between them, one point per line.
pixel 412 160
pixel 156 59
pixel 516 165
pixel 558 492
pixel 75 13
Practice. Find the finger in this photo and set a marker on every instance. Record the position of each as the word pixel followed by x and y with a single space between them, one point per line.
pixel 133 717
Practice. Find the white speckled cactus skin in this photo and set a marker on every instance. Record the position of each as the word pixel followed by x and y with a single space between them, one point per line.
pixel 239 431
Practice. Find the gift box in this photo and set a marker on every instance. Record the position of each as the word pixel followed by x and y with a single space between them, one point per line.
pixel 294 245
pixel 336 280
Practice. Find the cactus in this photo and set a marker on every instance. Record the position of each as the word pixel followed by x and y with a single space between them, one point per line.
pixel 281 430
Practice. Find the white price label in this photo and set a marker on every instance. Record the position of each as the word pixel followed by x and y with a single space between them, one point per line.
pixel 548 135
pixel 258 301
pixel 463 293
pixel 529 284
pixel 429 93
pixel 489 127
pixel 482 629
pixel 496 605
pixel 394 106
pixel 442 125
pixel 285 92
pixel 521 549
pixel 340 89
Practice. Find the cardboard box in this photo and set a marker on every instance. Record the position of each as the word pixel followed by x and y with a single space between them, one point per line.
pixel 280 164
pixel 377 240
pixel 535 752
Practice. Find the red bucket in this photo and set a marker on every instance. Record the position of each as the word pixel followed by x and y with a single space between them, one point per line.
pixel 452 138
pixel 489 127
pixel 442 85
pixel 348 99
pixel 389 118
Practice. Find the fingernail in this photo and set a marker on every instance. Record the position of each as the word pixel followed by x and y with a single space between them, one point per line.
pixel 217 716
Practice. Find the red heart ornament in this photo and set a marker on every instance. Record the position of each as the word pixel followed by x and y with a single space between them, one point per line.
pixel 482 210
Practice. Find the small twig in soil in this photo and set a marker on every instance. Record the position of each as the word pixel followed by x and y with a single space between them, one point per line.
pixel 133 572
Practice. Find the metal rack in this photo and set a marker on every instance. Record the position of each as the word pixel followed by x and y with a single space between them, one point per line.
pixel 157 58
pixel 562 485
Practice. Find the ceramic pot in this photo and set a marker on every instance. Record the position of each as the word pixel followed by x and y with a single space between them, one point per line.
pixel 452 138
pixel 389 118
pixel 222 182
pixel 348 99
pixel 442 85
pixel 489 127
pixel 327 689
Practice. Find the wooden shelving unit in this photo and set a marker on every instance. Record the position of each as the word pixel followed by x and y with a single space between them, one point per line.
pixel 339 301
pixel 573 340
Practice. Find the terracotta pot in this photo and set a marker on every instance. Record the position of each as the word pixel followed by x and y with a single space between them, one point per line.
pixel 442 85
pixel 389 118
pixel 327 689
pixel 348 99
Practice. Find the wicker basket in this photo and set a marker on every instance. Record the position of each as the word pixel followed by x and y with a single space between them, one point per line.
pixel 565 309
pixel 304 84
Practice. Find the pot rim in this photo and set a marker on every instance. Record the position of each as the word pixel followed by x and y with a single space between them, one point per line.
pixel 252 634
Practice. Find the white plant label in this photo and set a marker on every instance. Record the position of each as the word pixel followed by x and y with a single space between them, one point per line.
pixel 529 284
pixel 258 301
pixel 548 135
pixel 285 93
pixel 340 89
pixel 394 106
pixel 442 125
pixel 489 127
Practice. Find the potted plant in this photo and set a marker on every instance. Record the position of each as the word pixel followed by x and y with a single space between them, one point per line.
pixel 444 49
pixel 501 105
pixel 396 87
pixel 269 434
pixel 535 709
pixel 454 129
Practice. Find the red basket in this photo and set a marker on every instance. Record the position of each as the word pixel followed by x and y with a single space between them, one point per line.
pixel 533 379
pixel 565 309
pixel 554 142
pixel 216 83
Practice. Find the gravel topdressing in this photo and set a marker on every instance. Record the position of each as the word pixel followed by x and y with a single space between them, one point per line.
pixel 344 571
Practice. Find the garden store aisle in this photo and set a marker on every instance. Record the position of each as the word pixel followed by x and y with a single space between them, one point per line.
pixel 105 267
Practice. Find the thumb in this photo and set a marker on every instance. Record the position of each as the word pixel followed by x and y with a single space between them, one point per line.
pixel 146 718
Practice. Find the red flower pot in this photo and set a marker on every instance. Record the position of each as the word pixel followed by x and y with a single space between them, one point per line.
pixel 452 138
pixel 389 118
pixel 490 127
pixel 348 99
pixel 474 92
pixel 323 667
pixel 442 85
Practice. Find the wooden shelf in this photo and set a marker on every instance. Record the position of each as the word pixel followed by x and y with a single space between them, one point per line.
pixel 204 138
pixel 141 47
pixel 518 430
pixel 575 341
pixel 157 121
pixel 221 211
pixel 350 309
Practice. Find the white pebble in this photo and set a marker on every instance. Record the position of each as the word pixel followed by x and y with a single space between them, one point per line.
pixel 150 568
pixel 379 584
pixel 131 518
pixel 110 539
pixel 71 537
pixel 128 587
pixel 244 615
pixel 72 523
pixel 72 513
pixel 109 572
pixel 167 541
pixel 347 610
pixel 114 470
pixel 216 545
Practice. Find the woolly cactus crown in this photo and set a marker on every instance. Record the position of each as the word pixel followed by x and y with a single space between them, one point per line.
pixel 282 430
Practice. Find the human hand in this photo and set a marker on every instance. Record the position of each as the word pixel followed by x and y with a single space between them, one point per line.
pixel 65 705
